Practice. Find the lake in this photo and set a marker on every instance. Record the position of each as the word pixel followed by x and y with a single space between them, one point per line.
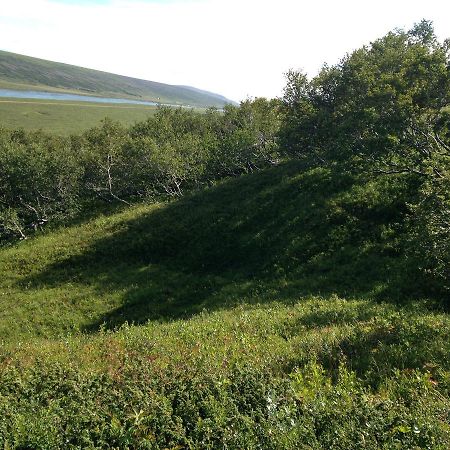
pixel 11 93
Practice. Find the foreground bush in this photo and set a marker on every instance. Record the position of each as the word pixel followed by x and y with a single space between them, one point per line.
pixel 321 374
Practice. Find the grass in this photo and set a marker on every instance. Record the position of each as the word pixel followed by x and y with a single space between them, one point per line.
pixel 64 118
pixel 271 311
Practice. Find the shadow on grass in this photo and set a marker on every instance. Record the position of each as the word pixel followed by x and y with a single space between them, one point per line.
pixel 278 235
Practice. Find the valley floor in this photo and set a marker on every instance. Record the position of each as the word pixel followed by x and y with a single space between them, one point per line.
pixel 64 118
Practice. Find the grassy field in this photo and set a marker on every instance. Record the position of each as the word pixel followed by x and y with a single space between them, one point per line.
pixel 270 311
pixel 63 118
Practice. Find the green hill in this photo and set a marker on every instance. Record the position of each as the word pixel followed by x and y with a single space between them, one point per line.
pixel 264 304
pixel 280 233
pixel 24 72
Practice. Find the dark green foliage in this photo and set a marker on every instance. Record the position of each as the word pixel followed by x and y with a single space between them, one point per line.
pixel 247 138
pixel 380 107
pixel 429 239
pixel 105 163
pixel 179 144
pixel 48 178
pixel 40 178
pixel 382 112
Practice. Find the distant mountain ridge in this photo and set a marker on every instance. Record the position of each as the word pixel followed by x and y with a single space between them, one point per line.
pixel 26 72
pixel 201 91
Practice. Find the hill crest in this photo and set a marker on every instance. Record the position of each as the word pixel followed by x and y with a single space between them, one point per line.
pixel 26 72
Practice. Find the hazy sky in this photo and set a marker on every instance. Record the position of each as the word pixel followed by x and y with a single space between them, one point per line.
pixel 237 48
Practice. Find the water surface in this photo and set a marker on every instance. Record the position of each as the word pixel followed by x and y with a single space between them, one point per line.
pixel 12 93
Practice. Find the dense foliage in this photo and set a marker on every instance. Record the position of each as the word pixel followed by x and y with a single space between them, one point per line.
pixel 46 178
pixel 383 111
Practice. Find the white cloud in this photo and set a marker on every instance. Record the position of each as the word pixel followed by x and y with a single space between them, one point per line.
pixel 237 48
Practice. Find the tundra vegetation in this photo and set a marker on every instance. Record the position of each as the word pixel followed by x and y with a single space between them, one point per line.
pixel 273 275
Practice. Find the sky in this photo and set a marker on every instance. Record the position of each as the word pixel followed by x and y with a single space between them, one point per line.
pixel 237 48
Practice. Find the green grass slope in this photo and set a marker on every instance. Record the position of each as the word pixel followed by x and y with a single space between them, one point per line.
pixel 24 72
pixel 268 315
pixel 277 235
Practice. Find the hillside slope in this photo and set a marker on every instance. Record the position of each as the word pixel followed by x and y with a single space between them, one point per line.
pixel 280 234
pixel 24 72
pixel 259 317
